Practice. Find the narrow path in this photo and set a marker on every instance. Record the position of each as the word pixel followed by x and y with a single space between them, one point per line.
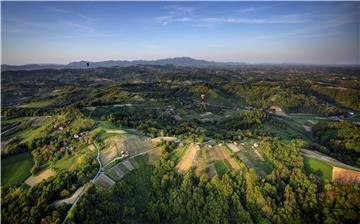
pixel 69 200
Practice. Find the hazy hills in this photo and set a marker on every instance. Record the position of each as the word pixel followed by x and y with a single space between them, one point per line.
pixel 178 61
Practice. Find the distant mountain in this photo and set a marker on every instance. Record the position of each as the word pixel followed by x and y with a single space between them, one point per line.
pixel 179 61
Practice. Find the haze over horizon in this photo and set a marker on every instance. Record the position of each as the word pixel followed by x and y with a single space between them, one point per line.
pixel 251 32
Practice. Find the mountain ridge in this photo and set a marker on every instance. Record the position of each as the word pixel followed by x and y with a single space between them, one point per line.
pixel 176 61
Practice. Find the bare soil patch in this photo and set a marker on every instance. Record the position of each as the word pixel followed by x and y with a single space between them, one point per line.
pixel 233 147
pixel 33 180
pixel 341 175
pixel 188 159
pixel 231 161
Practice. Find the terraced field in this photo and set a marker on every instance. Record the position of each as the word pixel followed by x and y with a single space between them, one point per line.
pixel 104 181
pixel 122 168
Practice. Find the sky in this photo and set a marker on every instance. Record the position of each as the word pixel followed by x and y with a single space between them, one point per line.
pixel 252 32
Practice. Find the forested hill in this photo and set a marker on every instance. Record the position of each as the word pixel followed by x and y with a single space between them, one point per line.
pixel 178 61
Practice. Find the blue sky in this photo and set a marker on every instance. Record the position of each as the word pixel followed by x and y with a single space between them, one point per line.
pixel 254 32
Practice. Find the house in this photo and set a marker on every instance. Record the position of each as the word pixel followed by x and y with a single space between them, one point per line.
pixel 59 126
pixel 62 149
pixel 124 154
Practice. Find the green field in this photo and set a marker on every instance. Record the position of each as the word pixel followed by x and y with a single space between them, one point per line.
pixel 291 126
pixel 139 161
pixel 37 104
pixel 14 120
pixel 318 167
pixel 220 167
pixel 15 169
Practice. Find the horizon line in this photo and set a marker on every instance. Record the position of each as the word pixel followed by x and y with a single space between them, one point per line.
pixel 207 60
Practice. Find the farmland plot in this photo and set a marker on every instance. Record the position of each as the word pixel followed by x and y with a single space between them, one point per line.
pixel 233 147
pixel 135 144
pixel 118 171
pixel 253 158
pixel 221 153
pixel 201 162
pixel 187 160
pixel 132 144
pixel 341 175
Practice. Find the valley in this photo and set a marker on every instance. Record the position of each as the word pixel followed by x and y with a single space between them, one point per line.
pixel 146 143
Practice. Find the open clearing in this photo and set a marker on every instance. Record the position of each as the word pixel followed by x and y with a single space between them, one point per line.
pixel 74 161
pixel 187 160
pixel 318 167
pixel 15 169
pixel 33 180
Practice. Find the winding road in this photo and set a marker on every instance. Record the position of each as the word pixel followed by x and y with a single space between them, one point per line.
pixel 84 188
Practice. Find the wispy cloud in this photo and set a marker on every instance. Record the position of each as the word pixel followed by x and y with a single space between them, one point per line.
pixel 176 13
pixel 178 10
pixel 254 9
pixel 58 10
pixel 284 19
pixel 152 46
